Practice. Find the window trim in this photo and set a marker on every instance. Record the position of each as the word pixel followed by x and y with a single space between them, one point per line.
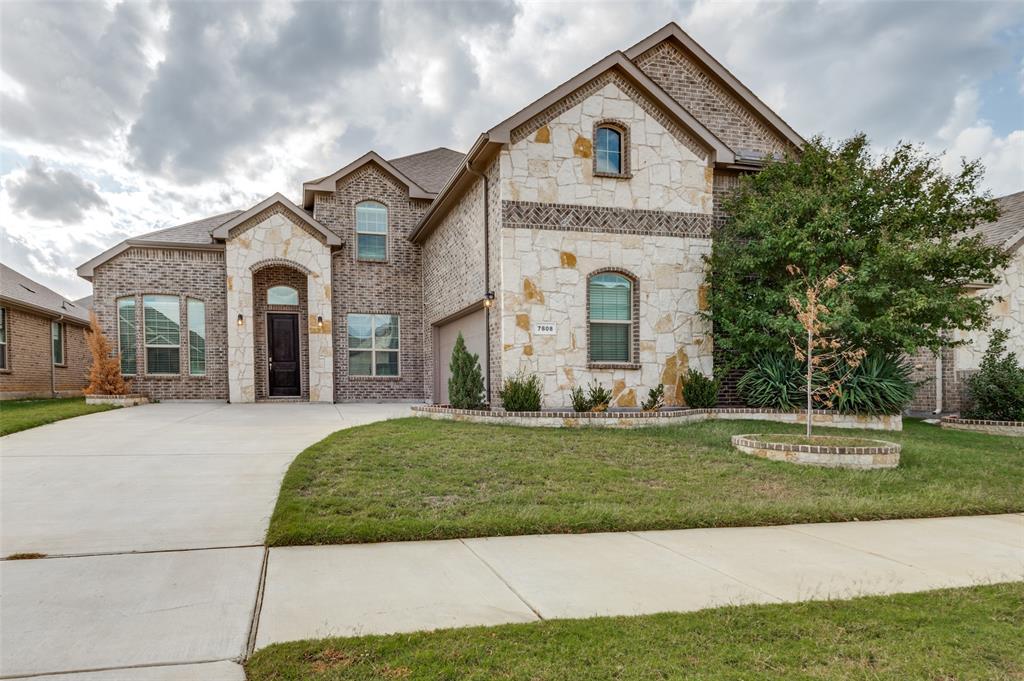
pixel 135 332
pixel 147 345
pixel 386 234
pixel 633 355
pixel 625 172
pixel 188 331
pixel 62 331
pixel 5 326
pixel 373 375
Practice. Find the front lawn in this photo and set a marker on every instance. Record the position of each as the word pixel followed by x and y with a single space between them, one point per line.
pixel 969 633
pixel 18 415
pixel 421 479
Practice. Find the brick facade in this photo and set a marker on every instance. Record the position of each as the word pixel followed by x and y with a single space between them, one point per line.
pixel 390 287
pixel 29 358
pixel 198 274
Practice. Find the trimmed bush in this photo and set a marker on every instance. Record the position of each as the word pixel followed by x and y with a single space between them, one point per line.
pixel 580 401
pixel 996 392
pixel 521 392
pixel 655 399
pixel 776 381
pixel 699 391
pixel 599 397
pixel 880 384
pixel 466 386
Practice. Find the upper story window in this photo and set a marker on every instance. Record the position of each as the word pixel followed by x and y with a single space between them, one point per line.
pixel 57 335
pixel 282 295
pixel 161 316
pixel 126 335
pixel 610 301
pixel 608 150
pixel 371 231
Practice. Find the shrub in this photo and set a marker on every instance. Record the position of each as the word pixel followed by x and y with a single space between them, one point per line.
pixel 521 392
pixel 880 384
pixel 699 391
pixel 105 375
pixel 598 396
pixel 774 381
pixel 466 385
pixel 996 392
pixel 580 401
pixel 655 399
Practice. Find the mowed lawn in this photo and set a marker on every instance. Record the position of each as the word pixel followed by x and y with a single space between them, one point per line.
pixel 18 415
pixel 972 633
pixel 421 479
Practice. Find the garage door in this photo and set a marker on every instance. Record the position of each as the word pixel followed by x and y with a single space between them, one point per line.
pixel 472 328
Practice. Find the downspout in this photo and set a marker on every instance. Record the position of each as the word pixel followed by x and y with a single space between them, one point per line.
pixel 53 366
pixel 487 281
pixel 938 381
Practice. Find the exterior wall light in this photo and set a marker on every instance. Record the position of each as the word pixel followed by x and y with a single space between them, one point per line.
pixel 320 321
pixel 239 318
pixel 489 299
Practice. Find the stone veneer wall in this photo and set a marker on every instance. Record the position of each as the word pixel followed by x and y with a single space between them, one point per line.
pixel 391 287
pixel 262 280
pixel 544 275
pixel 704 97
pixel 1007 313
pixel 195 274
pixel 554 164
pixel 277 237
pixel 29 358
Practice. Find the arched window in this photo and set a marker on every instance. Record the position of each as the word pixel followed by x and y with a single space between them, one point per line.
pixel 610 302
pixel 608 150
pixel 371 231
pixel 282 295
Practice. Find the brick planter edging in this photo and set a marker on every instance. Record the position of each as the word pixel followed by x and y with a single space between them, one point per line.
pixel 118 400
pixel 1013 428
pixel 880 455
pixel 640 419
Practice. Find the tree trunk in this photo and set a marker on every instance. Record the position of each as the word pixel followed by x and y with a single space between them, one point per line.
pixel 810 370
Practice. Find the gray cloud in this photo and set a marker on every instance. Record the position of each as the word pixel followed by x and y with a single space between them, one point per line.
pixel 54 194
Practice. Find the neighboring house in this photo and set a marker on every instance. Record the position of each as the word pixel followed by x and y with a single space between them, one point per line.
pixel 942 375
pixel 42 340
pixel 568 242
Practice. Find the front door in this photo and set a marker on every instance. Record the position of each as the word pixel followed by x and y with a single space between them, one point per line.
pixel 283 355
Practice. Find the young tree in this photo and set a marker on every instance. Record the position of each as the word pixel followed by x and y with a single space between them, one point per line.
pixel 466 385
pixel 105 375
pixel 899 222
pixel 828 359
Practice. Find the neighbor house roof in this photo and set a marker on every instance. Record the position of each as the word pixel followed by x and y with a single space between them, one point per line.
pixel 1008 229
pixel 17 289
pixel 195 234
pixel 85 302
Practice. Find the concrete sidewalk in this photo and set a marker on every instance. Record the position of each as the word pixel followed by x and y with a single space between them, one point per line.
pixel 318 591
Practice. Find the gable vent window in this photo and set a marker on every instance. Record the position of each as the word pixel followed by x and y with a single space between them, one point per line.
pixel 162 319
pixel 609 151
pixel 371 231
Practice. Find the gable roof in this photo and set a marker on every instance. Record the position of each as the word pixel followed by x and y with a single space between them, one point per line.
pixel 1008 229
pixel 192 235
pixel 672 32
pixel 430 169
pixel 18 289
pixel 222 230
pixel 328 183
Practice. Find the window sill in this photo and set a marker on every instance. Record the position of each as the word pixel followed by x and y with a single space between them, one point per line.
pixel 374 378
pixel 613 365
pixel 162 377
pixel 615 176
pixel 371 262
pixel 60 366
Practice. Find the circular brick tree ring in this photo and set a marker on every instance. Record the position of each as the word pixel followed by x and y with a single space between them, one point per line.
pixel 821 450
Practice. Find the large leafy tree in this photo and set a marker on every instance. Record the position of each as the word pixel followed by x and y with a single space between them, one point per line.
pixel 898 223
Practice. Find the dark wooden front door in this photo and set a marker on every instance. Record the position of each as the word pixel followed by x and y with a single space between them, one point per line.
pixel 283 355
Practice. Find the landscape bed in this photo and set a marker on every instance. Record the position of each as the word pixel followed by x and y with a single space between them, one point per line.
pixel 971 633
pixel 1012 428
pixel 415 478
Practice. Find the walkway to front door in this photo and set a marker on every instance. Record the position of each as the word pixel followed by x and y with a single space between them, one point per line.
pixel 283 363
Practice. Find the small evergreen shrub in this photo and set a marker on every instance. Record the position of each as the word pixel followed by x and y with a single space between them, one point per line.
pixel 880 384
pixel 466 385
pixel 598 396
pixel 699 391
pixel 996 392
pixel 521 392
pixel 655 399
pixel 775 381
pixel 580 401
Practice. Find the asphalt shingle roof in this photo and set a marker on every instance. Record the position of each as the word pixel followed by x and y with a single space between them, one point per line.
pixel 1008 225
pixel 196 232
pixel 429 169
pixel 18 288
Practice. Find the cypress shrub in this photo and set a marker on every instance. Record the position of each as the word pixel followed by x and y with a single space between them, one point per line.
pixel 466 385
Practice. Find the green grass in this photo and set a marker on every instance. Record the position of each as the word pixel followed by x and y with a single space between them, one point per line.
pixel 972 633
pixel 422 479
pixel 16 415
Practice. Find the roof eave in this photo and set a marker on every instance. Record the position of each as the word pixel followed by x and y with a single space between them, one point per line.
pixel 329 183
pixel 86 269
pixel 42 311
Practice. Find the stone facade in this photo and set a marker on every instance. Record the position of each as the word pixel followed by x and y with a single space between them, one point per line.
pixel 274 237
pixel 1007 313
pixel 197 274
pixel 30 371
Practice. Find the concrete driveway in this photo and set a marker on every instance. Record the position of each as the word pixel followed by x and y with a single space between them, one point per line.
pixel 152 519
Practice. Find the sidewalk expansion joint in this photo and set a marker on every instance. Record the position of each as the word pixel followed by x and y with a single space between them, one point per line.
pixel 257 607
pixel 503 580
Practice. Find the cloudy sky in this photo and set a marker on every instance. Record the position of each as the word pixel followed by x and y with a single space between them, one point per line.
pixel 119 118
